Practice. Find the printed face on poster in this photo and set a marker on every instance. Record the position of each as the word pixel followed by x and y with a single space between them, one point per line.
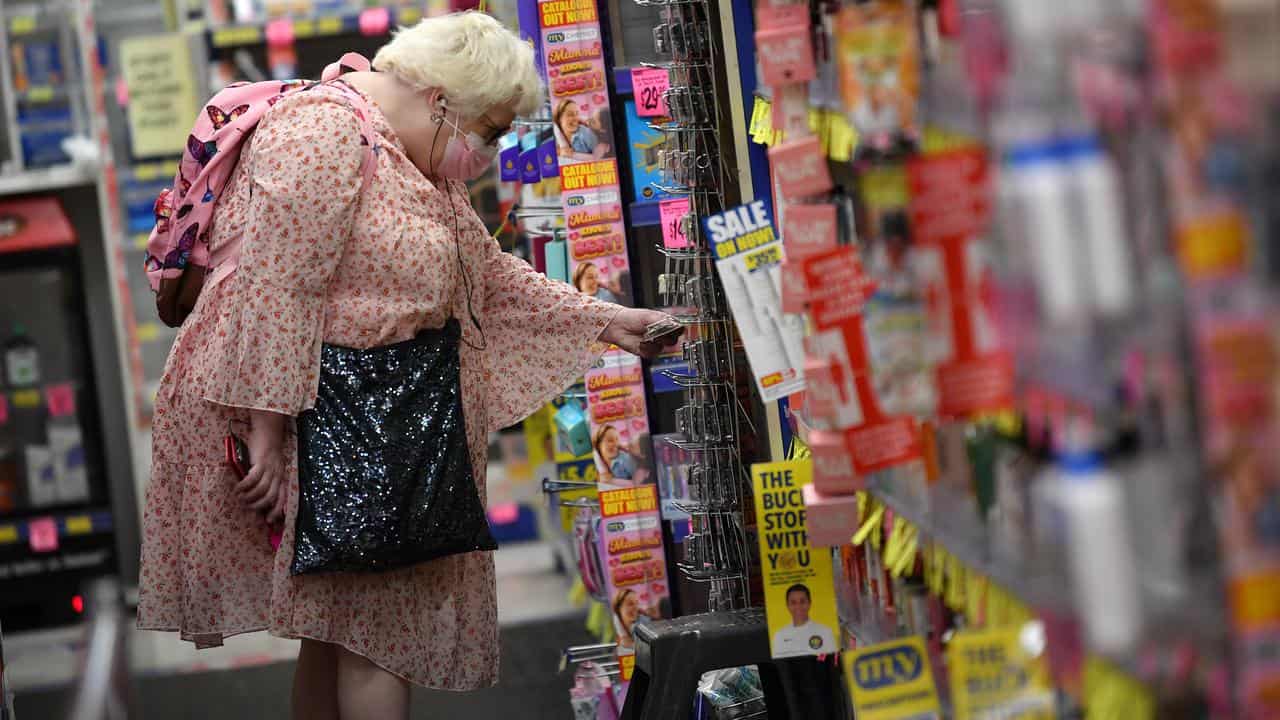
pixel 799 592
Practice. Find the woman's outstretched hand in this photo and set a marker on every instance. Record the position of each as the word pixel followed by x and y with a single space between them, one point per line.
pixel 627 332
pixel 265 489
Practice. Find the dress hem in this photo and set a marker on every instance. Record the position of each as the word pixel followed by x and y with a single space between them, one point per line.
pixel 304 636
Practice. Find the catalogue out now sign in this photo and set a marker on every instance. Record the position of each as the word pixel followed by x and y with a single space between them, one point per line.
pixel 635 563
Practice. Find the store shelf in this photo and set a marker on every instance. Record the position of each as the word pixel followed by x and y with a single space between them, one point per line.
pixel 70 524
pixel 304 28
pixel 962 535
pixel 45 179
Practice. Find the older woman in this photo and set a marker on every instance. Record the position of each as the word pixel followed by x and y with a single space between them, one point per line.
pixel 329 259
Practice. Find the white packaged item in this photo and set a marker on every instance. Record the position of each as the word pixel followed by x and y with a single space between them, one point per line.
pixel 1100 555
pixel 42 476
pixel 67 444
pixel 1103 229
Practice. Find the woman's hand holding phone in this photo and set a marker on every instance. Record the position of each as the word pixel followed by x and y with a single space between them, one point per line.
pixel 265 488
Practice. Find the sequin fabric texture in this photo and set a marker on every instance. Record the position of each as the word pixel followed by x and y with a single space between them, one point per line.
pixel 383 473
pixel 324 262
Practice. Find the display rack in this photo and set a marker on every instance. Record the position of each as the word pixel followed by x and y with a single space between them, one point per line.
pixel 716 552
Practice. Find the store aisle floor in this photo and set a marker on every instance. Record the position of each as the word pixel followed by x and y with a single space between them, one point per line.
pixel 250 677
pixel 530 686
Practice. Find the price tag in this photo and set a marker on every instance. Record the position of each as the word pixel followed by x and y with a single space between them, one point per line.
pixel 280 33
pixel 410 16
pixel 237 35
pixel 60 399
pixel 8 534
pixel 141 240
pixel 40 94
pixel 26 399
pixel 148 332
pixel 22 25
pixel 672 212
pixel 329 25
pixel 650 87
pixel 375 21
pixel 79 525
pixel 42 535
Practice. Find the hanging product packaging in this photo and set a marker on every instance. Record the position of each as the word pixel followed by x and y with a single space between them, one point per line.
pixel 806 230
pixel 879 68
pixel 786 54
pixel 799 168
pixel 840 290
pixel 749 259
pixel 949 211
pixel 799 592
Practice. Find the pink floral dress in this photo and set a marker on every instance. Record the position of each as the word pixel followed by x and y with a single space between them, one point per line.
pixel 325 260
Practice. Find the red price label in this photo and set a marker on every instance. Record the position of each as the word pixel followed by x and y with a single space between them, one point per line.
pixel 672 214
pixel 42 535
pixel 650 88
pixel 60 399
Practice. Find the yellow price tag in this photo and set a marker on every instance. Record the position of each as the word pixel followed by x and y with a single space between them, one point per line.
pixel 304 28
pixel 22 25
pixel 79 525
pixel 329 26
pixel 237 35
pixel 140 241
pixel 409 16
pixel 26 399
pixel 8 534
pixel 40 94
pixel 1112 695
pixel 148 332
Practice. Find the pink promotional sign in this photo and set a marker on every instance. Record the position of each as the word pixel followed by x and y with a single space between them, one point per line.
pixel 42 535
pixel 60 399
pixel 672 213
pixel 650 88
pixel 786 55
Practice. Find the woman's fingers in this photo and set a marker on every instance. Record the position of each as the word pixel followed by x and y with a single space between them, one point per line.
pixel 268 498
pixel 263 488
pixel 250 480
pixel 277 512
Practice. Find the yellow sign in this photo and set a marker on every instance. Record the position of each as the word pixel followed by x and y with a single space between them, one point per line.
pixel 162 93
pixel 26 399
pixel 891 681
pixel 799 595
pixel 79 525
pixel 994 675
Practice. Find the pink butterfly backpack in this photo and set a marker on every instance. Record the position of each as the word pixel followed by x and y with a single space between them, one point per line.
pixel 179 261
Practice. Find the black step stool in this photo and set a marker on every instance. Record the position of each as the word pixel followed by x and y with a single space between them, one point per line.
pixel 672 655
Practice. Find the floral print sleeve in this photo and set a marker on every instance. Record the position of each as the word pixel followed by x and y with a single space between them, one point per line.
pixel 542 336
pixel 306 181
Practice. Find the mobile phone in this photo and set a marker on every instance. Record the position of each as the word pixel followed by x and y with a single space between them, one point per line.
pixel 663 331
pixel 237 455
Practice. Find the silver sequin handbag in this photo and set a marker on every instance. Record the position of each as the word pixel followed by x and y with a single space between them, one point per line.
pixel 384 470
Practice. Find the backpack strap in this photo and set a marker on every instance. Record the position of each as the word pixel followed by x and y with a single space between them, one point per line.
pixel 226 261
pixel 351 61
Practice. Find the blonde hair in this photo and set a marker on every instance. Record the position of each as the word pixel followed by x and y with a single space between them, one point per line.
pixel 470 57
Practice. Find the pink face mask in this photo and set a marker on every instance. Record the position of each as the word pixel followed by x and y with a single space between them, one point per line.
pixel 466 156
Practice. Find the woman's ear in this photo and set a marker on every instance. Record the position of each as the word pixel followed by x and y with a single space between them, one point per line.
pixel 438 104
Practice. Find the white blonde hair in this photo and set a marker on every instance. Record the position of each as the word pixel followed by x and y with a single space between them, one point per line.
pixel 473 60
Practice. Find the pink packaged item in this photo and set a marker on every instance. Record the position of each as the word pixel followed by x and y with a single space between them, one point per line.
pixel 830 520
pixel 786 55
pixel 833 469
pixel 799 168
